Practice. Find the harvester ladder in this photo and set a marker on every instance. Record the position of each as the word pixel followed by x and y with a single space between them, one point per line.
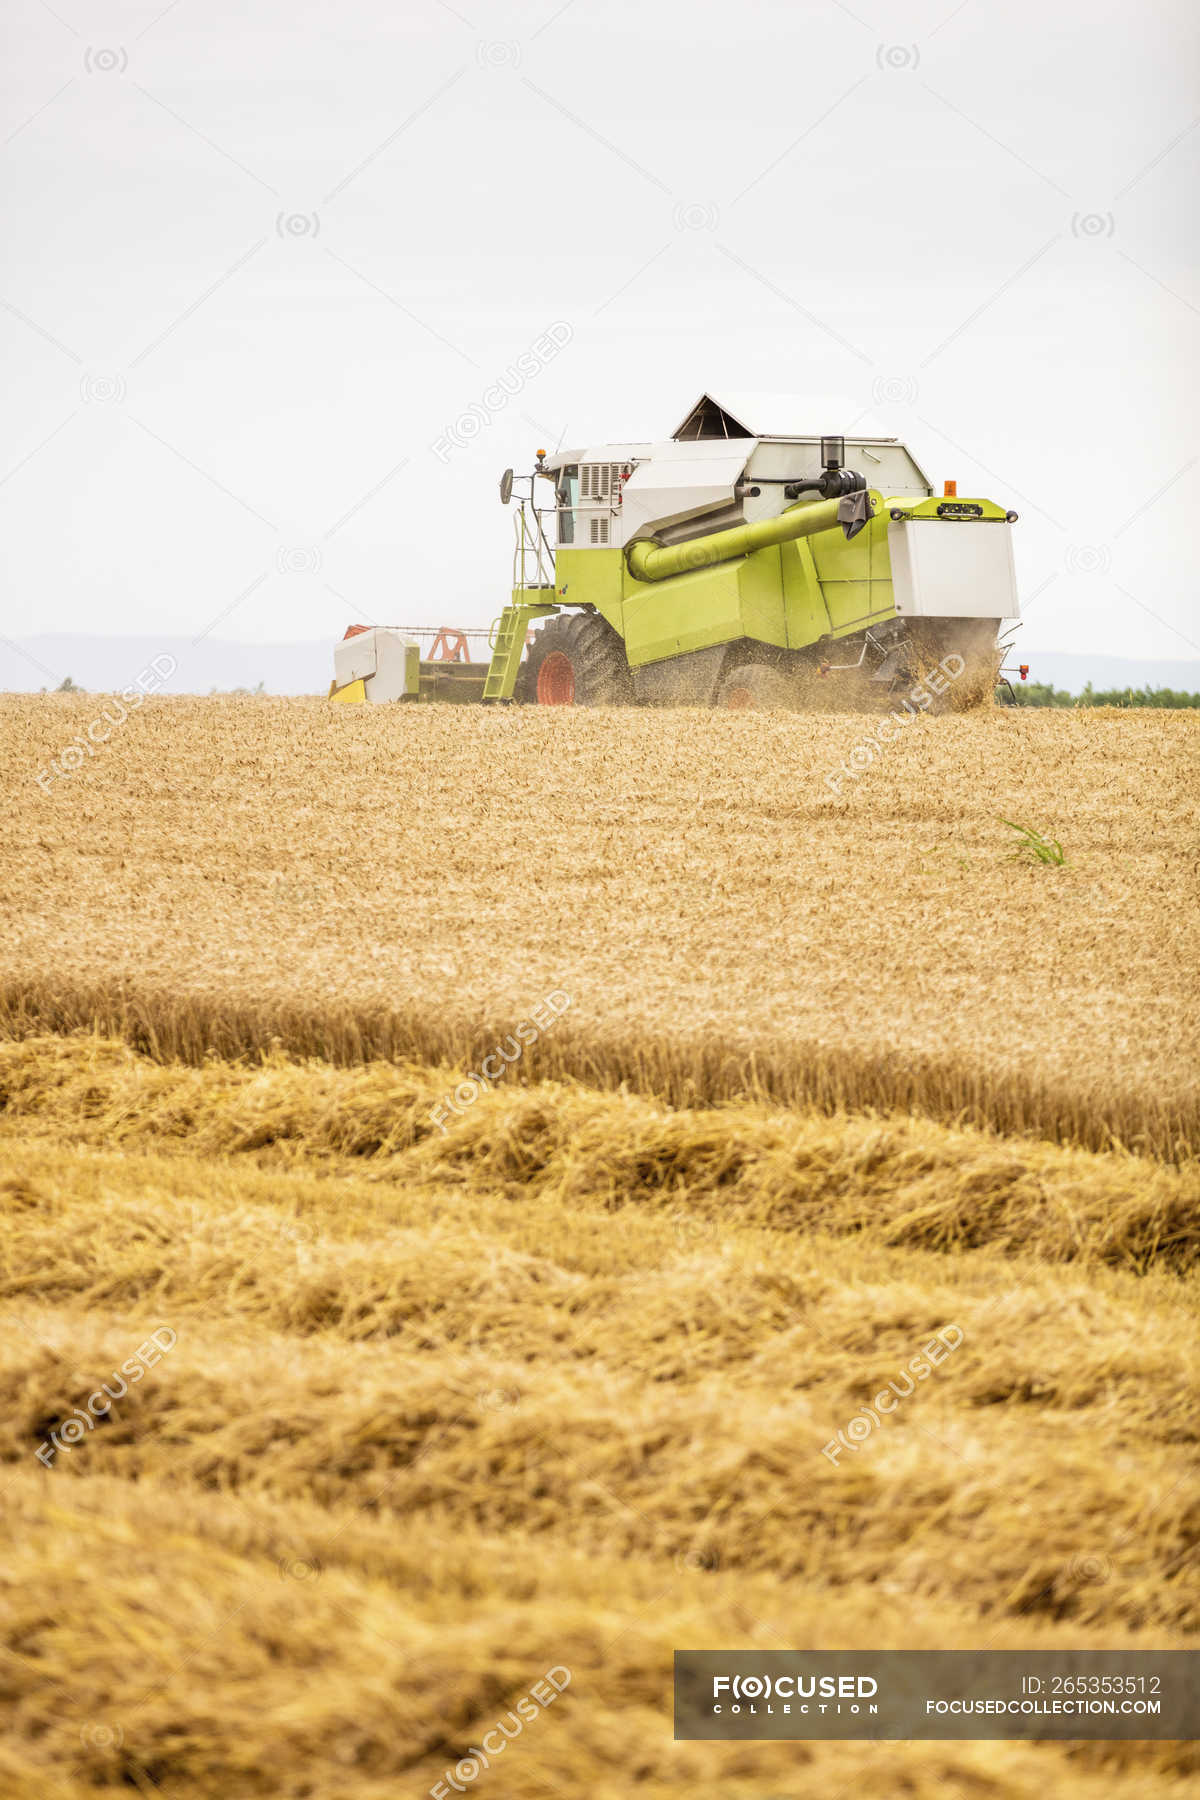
pixel 508 646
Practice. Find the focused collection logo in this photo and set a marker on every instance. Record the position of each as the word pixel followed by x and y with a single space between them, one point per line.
pixel 799 1693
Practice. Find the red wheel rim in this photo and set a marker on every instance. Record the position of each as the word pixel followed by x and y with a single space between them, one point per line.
pixel 738 697
pixel 556 681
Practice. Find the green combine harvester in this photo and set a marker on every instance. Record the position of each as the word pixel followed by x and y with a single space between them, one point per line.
pixel 736 564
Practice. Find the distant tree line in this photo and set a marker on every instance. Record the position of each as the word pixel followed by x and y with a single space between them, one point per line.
pixel 1040 693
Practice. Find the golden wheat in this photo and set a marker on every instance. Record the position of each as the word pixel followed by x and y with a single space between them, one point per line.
pixel 411 882
pixel 551 1389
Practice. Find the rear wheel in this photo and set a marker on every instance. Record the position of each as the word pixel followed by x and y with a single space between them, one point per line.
pixel 576 659
pixel 756 686
pixel 556 680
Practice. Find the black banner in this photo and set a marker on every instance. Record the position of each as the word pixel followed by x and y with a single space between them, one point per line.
pixel 910 1694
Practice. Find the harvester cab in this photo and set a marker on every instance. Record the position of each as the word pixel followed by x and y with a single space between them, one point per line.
pixel 742 561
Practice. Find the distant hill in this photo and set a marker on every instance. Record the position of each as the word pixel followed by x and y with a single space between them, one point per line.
pixel 106 664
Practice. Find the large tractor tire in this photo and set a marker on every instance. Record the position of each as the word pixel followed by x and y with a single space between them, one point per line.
pixel 576 659
pixel 756 686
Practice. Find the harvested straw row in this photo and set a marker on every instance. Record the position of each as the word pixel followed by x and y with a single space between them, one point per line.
pixel 296 1650
pixel 552 1389
pixel 728 1471
pixel 892 1178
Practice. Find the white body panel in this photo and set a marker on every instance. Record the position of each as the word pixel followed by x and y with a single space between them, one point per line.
pixel 887 466
pixel 677 481
pixel 385 661
pixel 599 453
pixel 689 478
pixel 354 658
pixel 953 569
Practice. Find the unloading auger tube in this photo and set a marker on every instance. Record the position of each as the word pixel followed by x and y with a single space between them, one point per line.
pixel 649 561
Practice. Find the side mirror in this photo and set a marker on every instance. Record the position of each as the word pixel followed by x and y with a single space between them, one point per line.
pixel 506 481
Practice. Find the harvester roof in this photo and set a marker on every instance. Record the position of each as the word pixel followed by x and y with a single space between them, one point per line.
pixel 793 418
pixel 746 418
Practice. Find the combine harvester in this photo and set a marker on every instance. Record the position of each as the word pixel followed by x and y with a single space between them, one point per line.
pixel 737 564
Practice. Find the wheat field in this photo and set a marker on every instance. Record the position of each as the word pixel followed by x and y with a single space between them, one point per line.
pixel 411 881
pixel 447 1393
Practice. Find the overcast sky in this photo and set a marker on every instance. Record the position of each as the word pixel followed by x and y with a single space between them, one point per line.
pixel 262 257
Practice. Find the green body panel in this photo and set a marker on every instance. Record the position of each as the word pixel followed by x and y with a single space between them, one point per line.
pixel 592 578
pixel 856 577
pixel 687 612
pixel 458 683
pixel 790 592
pixel 694 612
pixel 763 614
pixel 806 617
pixel 935 507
